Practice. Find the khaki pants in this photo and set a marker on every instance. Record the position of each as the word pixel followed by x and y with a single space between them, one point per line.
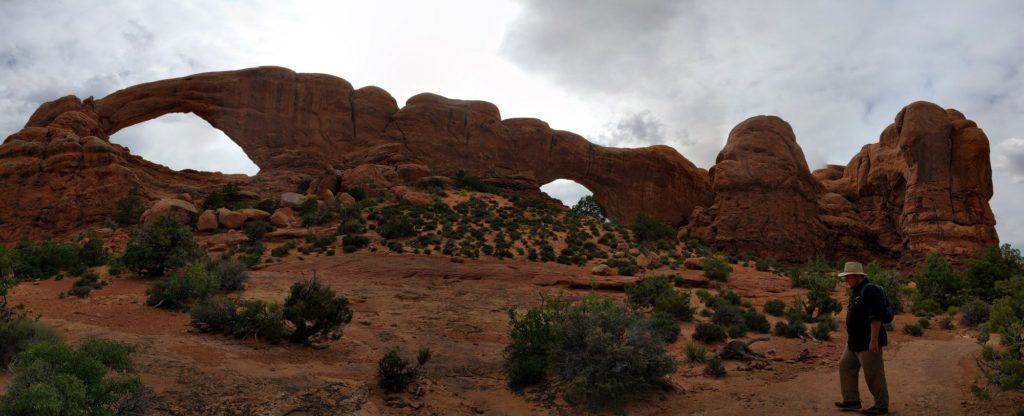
pixel 874 375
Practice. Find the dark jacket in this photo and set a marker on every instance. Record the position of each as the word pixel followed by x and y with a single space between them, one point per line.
pixel 861 312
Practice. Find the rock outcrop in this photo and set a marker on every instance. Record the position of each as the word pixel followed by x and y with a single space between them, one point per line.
pixel 924 187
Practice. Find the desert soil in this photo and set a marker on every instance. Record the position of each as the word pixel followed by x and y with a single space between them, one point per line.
pixel 460 312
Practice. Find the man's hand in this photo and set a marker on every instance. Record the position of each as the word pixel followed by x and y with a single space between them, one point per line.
pixel 873 346
pixel 876 327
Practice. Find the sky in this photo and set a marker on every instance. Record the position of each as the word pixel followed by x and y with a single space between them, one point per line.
pixel 621 73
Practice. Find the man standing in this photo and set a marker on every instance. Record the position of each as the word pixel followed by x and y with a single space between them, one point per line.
pixel 867 310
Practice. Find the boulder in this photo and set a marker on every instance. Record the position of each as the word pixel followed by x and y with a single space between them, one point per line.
pixel 283 217
pixel 180 211
pixel 229 219
pixel 345 199
pixel 222 241
pixel 601 270
pixel 254 214
pixel 642 260
pixel 207 221
pixel 694 263
pixel 292 199
pixel 411 173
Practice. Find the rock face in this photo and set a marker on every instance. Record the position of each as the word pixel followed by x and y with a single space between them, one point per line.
pixel 765 199
pixel 924 187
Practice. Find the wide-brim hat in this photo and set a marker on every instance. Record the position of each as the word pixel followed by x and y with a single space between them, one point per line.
pixel 852 268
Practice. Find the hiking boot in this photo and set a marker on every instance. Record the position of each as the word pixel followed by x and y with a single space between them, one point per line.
pixel 848 405
pixel 875 410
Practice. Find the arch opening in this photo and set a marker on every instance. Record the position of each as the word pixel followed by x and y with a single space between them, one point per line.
pixel 185 141
pixel 568 191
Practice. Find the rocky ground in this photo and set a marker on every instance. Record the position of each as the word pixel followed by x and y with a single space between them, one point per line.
pixel 459 311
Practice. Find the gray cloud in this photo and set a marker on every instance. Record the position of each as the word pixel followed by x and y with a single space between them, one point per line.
pixel 1008 159
pixel 837 71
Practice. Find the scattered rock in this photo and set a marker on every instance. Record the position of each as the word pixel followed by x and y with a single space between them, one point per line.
pixel 283 217
pixel 207 221
pixel 643 261
pixel 254 214
pixel 292 199
pixel 345 198
pixel 180 211
pixel 601 270
pixel 229 219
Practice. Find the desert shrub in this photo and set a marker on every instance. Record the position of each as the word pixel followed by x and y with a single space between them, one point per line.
pixel 602 351
pixel 52 378
pixel 756 322
pixel 160 246
pixel 666 325
pixel 283 249
pixel 466 181
pixel 716 268
pixel 44 260
pixel 925 307
pixel 85 284
pixel 18 332
pixel 302 186
pixel 936 280
pixel 260 320
pixel 791 328
pixel 762 265
pixel 803 275
pixel 698 247
pixel 313 212
pixel 92 253
pixel 913 330
pixel 695 353
pixel 214 315
pixel 1008 310
pixel 353 242
pixel 709 333
pixel 775 307
pixel 646 290
pixel 990 265
pixel 675 304
pixel 647 229
pixel 890 281
pixel 231 275
pixel 396 226
pixel 822 331
pixel 128 211
pixel 179 290
pixel 315 311
pixel 268 204
pixel 924 323
pixel 725 313
pixel 589 207
pixel 737 331
pixel 946 323
pixel 228 196
pixel 714 368
pixel 255 229
pixel 531 338
pixel 394 373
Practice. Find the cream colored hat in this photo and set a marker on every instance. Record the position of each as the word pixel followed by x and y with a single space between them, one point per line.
pixel 852 267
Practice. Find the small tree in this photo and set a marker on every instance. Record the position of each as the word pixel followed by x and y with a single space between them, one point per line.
pixel 129 209
pixel 315 311
pixel 648 229
pixel 394 373
pixel 716 268
pixel 936 280
pixel 589 207
pixel 160 246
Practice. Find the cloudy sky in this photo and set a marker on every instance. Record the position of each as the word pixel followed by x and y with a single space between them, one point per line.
pixel 623 73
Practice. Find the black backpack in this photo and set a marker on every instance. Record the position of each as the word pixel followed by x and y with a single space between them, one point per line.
pixel 889 313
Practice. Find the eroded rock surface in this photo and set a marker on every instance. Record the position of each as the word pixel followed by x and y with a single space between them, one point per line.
pixel 924 187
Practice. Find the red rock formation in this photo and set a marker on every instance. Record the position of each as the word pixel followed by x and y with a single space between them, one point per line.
pixel 924 187
pixel 765 199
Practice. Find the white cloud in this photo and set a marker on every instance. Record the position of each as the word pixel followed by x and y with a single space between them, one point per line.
pixel 565 190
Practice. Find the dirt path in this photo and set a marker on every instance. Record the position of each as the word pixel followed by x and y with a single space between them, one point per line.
pixel 926 377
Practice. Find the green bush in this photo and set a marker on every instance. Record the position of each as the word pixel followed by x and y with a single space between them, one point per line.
pixel 396 226
pixel 936 280
pixel 792 328
pixel 946 323
pixel 45 260
pixel 181 289
pixel 675 304
pixel 737 331
pixel 394 373
pixel 913 330
pixel 160 246
pixel 602 351
pixel 129 209
pixel 259 320
pixel 775 307
pixel 18 332
pixel 214 315
pixel 355 242
pixel 85 284
pixel 232 275
pixel 725 313
pixel 709 333
pixel 283 249
pixel 924 323
pixel 647 229
pixel 465 181
pixel 315 311
pixel 646 290
pixel 990 265
pixel 51 378
pixel 666 325
pixel 695 353
pixel 92 253
pixel 256 229
pixel 589 207
pixel 716 268
pixel 228 196
pixel 822 331
pixel 890 281
pixel 756 322
pixel 925 307
pixel 714 368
